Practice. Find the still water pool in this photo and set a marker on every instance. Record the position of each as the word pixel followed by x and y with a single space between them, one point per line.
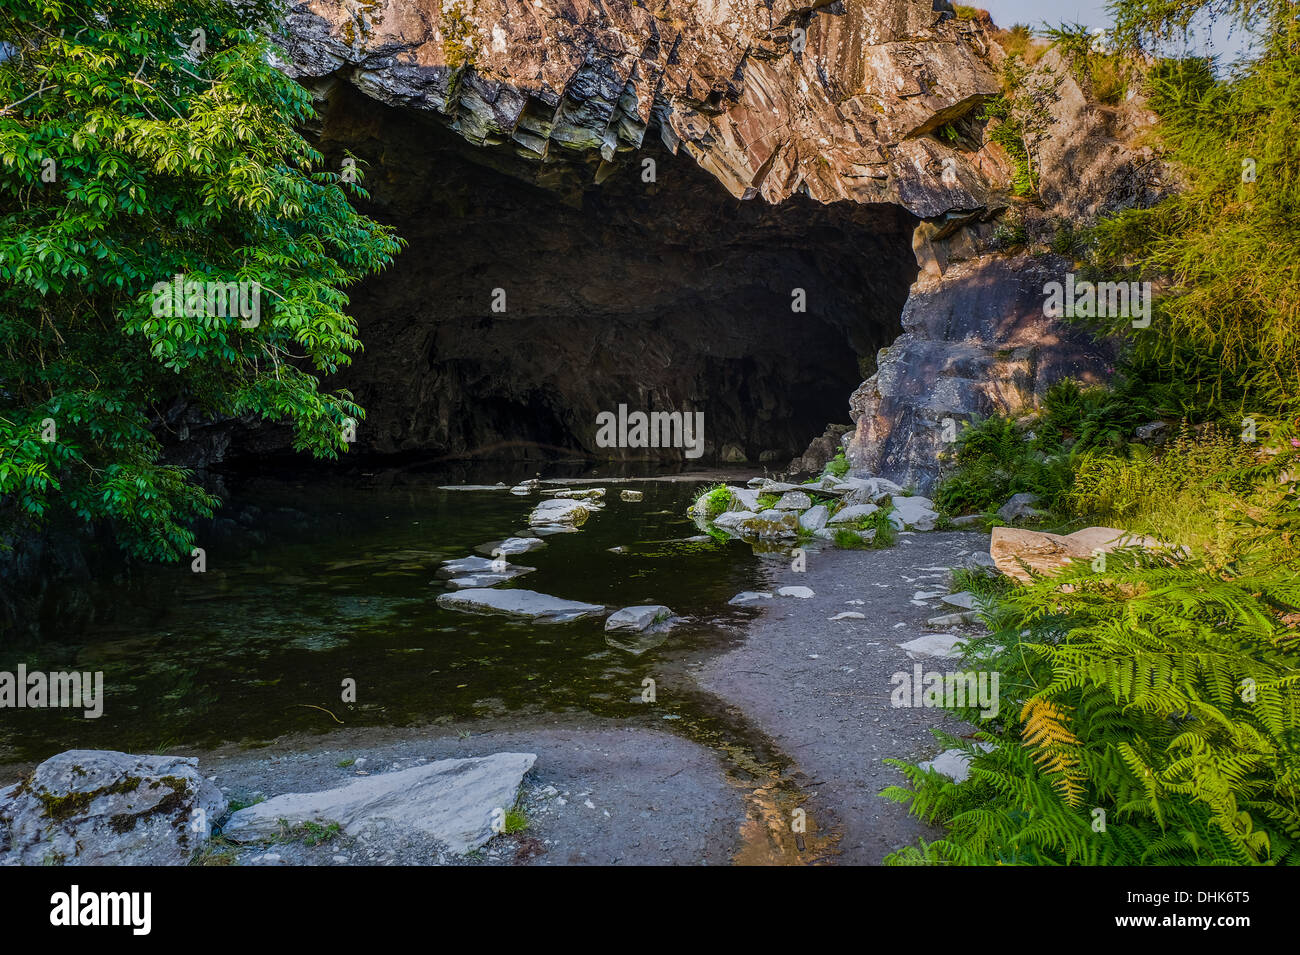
pixel 323 581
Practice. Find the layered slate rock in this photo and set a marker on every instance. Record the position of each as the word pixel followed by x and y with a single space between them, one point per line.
pixel 975 342
pixel 95 807
pixel 453 801
pixel 836 100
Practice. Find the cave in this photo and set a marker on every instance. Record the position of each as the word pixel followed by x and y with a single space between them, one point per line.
pixel 530 298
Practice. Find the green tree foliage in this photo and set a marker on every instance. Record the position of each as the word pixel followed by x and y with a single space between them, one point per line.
pixel 138 141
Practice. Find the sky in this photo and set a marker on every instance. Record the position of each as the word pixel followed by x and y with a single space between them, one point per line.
pixel 1091 13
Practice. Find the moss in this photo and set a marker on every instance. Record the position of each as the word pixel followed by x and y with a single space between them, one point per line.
pixel 62 808
pixel 175 803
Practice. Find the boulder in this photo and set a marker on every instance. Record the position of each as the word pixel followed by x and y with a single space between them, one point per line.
pixel 541 608
pixel 639 619
pixel 1020 507
pixel 814 518
pixel 97 807
pixel 452 801
pixel 918 513
pixel 562 512
pixel 868 490
pixel 1012 549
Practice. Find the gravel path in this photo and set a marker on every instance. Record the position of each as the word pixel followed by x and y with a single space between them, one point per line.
pixel 820 688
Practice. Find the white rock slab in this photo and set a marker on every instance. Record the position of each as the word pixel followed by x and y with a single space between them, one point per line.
pixel 451 800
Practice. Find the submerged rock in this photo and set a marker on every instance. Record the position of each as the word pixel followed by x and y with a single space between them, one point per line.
pixel 541 608
pixel 453 801
pixel 98 807
pixel 626 495
pixel 586 494
pixel 465 567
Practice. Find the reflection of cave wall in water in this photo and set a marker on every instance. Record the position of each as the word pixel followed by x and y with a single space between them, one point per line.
pixel 661 296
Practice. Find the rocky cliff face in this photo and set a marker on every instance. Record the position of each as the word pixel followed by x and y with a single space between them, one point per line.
pixel 649 183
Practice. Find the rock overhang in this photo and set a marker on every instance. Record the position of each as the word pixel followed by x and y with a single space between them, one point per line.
pixel 838 101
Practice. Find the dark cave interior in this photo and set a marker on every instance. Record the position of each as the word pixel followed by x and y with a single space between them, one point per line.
pixel 667 295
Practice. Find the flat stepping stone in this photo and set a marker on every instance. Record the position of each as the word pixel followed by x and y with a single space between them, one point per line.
pixel 749 597
pixel 529 604
pixel 558 511
pixel 586 494
pixel 514 545
pixel 848 615
pixel 965 599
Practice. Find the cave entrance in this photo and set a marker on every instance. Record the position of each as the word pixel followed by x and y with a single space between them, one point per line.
pixel 663 295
